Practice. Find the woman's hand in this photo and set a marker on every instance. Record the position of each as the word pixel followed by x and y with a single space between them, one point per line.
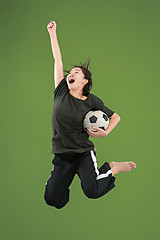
pixel 51 27
pixel 99 133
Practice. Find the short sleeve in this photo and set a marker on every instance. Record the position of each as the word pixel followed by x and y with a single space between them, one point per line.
pixel 61 88
pixel 99 105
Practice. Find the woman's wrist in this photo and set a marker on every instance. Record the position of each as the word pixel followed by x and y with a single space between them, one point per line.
pixel 106 132
pixel 53 34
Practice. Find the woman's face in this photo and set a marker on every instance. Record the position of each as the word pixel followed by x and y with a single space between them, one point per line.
pixel 75 78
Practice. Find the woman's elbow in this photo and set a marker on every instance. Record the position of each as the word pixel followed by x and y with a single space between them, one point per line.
pixel 115 115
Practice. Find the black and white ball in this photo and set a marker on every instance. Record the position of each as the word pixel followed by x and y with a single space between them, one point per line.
pixel 97 119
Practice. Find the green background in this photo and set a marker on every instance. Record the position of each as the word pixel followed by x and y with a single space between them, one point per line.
pixel 122 40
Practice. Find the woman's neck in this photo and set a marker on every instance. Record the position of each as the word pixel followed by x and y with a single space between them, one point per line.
pixel 77 95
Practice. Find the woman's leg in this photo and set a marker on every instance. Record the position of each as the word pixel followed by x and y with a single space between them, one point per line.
pixel 57 186
pixel 95 182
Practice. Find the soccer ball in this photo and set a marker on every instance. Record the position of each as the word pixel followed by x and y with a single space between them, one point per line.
pixel 97 119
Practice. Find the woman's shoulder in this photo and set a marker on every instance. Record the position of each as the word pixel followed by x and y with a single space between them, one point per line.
pixel 61 88
pixel 92 95
pixel 95 98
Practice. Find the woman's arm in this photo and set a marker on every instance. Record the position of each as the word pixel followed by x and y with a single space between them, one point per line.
pixel 58 64
pixel 115 118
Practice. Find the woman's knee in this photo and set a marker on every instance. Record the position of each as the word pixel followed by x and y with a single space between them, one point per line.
pixel 54 201
pixel 90 192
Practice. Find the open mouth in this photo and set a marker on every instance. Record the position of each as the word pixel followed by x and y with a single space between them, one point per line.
pixel 71 81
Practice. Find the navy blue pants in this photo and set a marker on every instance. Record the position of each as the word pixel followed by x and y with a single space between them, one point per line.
pixel 94 182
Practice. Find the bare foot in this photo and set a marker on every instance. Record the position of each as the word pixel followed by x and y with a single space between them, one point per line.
pixel 117 167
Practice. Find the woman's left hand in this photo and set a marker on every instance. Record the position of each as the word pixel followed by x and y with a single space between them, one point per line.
pixel 100 132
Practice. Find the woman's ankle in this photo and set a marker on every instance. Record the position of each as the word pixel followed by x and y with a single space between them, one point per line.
pixel 114 170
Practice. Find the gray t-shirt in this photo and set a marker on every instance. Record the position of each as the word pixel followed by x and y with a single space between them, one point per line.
pixel 67 120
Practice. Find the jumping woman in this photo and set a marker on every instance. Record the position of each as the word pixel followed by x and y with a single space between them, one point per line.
pixel 74 152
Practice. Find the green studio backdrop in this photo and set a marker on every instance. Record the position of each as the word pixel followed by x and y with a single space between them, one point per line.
pixel 122 40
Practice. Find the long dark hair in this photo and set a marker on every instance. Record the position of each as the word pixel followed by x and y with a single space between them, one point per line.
pixel 87 74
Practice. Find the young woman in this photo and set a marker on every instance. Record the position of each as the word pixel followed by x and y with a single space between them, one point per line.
pixel 74 152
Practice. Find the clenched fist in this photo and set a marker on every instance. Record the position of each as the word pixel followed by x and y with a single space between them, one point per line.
pixel 51 27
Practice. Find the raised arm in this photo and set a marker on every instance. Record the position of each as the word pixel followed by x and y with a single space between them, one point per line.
pixel 58 64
